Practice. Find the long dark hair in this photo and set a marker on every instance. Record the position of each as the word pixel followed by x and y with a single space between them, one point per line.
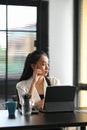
pixel 31 58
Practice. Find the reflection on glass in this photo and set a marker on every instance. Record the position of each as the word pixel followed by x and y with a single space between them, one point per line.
pixel 2 54
pixel 2 17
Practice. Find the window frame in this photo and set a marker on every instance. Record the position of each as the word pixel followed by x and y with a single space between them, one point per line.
pixel 77 29
pixel 77 42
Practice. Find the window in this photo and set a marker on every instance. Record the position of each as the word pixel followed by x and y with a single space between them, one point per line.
pixel 23 28
pixel 21 36
pixel 80 54
pixel 83 43
pixel 3 40
pixel 20 33
pixel 83 54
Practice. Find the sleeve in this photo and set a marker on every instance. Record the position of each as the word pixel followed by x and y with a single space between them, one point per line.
pixel 21 89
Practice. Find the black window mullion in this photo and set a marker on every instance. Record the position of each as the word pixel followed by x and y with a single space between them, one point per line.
pixel 6 76
pixel 42 26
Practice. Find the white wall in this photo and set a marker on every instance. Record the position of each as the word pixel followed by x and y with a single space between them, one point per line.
pixel 61 40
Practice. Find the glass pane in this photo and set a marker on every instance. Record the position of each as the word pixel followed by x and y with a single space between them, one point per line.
pixel 83 45
pixel 2 17
pixel 21 36
pixel 22 17
pixel 19 45
pixel 2 54
pixel 83 54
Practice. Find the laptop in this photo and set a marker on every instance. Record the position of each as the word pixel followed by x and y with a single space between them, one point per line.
pixel 59 99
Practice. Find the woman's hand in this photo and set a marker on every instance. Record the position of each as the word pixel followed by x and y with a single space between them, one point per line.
pixel 39 105
pixel 37 74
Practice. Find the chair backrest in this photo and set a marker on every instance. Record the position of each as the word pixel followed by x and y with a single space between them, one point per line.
pixel 18 103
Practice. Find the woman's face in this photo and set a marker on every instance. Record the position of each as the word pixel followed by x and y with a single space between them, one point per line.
pixel 42 64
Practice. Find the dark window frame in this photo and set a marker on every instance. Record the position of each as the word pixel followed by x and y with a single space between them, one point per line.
pixel 76 42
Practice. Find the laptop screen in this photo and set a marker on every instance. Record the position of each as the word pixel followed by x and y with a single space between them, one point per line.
pixel 60 93
pixel 59 99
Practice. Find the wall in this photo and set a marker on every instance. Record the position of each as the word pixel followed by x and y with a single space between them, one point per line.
pixel 61 40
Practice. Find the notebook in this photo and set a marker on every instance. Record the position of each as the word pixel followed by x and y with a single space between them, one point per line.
pixel 59 99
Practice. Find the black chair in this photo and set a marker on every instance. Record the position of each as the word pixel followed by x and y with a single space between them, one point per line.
pixel 16 98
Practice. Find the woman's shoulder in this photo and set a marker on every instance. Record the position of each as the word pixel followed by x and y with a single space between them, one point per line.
pixel 54 81
pixel 23 83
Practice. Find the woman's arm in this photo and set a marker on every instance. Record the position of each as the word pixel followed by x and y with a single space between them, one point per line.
pixel 39 105
pixel 37 74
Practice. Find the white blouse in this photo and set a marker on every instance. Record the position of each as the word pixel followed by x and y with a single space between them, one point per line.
pixel 24 86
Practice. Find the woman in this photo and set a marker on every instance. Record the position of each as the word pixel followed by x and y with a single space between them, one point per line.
pixel 34 78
